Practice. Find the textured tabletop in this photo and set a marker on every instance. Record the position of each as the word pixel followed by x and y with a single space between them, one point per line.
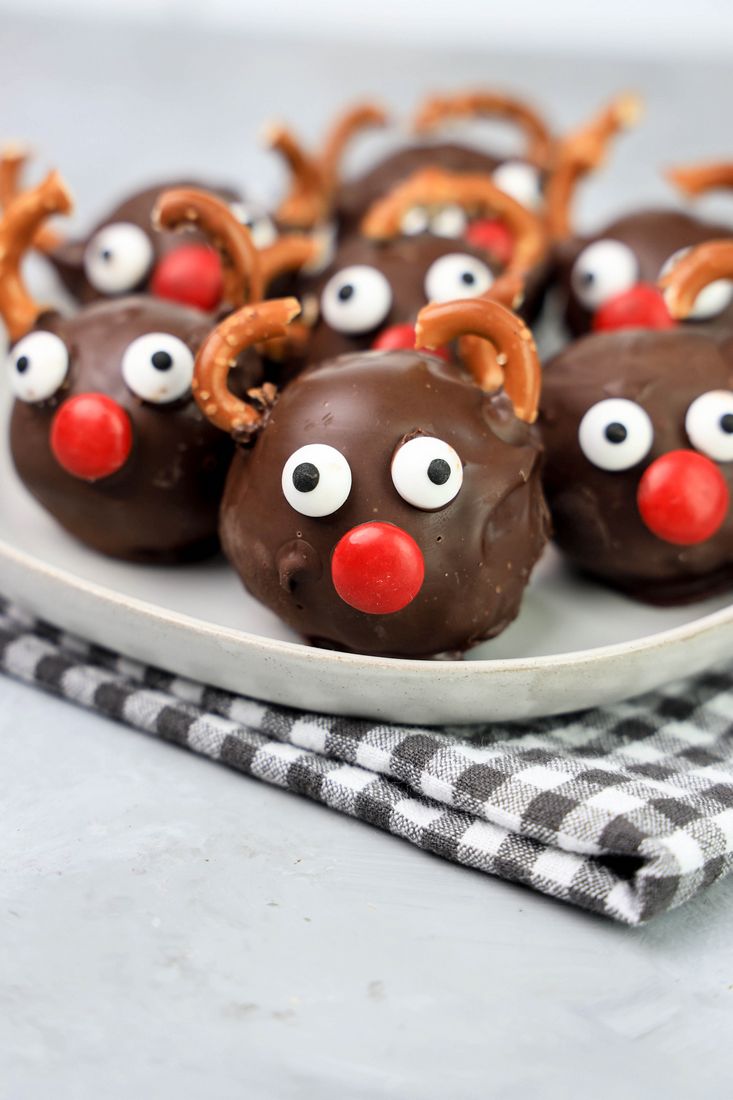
pixel 172 929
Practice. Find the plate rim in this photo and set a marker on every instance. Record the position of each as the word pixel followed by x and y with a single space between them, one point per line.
pixel 408 665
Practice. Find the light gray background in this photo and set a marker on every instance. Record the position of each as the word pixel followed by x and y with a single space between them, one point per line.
pixel 172 929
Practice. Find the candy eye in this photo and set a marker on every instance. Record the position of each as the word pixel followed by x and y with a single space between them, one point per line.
pixel 450 221
pixel 260 224
pixel 712 300
pixel 615 434
pixel 427 472
pixel 415 221
pixel 158 367
pixel 521 181
pixel 37 366
pixel 603 269
pixel 117 258
pixel 356 299
pixel 709 424
pixel 457 276
pixel 316 480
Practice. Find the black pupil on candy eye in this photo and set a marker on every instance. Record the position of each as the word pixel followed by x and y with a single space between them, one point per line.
pixel 616 433
pixel 306 477
pixel 161 360
pixel 726 423
pixel 587 278
pixel 438 471
pixel 22 364
pixel 106 254
pixel 345 292
pixel 468 278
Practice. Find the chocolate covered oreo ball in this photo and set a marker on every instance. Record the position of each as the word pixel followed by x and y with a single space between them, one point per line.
pixel 387 504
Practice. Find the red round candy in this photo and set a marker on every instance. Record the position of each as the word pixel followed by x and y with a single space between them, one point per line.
pixel 402 338
pixel 91 436
pixel 683 498
pixel 190 274
pixel 642 306
pixel 377 568
pixel 492 236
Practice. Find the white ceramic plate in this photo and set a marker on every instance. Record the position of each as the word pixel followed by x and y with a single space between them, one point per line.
pixel 574 645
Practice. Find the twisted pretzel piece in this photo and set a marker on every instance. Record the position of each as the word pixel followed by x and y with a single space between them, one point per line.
pixel 472 192
pixel 441 322
pixel 582 152
pixel 440 109
pixel 696 179
pixel 315 177
pixel 217 355
pixel 20 222
pixel 13 159
pixel 694 271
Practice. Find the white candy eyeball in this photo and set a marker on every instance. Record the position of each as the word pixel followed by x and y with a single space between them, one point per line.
pixel 117 258
pixel 450 222
pixel 603 269
pixel 457 275
pixel 37 366
pixel 415 221
pixel 316 480
pixel 709 424
pixel 521 181
pixel 356 299
pixel 158 367
pixel 615 434
pixel 259 223
pixel 427 472
pixel 711 300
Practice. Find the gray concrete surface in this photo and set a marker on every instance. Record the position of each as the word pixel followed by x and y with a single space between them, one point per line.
pixel 172 929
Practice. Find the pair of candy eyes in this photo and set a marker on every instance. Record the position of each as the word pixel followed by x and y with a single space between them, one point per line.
pixel 358 299
pixel 156 367
pixel 120 255
pixel 426 472
pixel 617 434
pixel 608 267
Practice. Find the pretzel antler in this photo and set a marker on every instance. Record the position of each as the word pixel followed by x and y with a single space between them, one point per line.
pixel 695 179
pixel 582 152
pixel 699 267
pixel 217 355
pixel 183 207
pixel 483 104
pixel 441 322
pixel 13 159
pixel 436 187
pixel 20 222
pixel 314 177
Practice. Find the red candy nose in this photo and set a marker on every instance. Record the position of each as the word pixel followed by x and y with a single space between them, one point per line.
pixel 91 436
pixel 191 275
pixel 642 306
pixel 683 498
pixel 400 338
pixel 377 568
pixel 492 236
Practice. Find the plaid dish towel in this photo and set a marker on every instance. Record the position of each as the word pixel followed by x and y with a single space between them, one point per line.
pixel 625 810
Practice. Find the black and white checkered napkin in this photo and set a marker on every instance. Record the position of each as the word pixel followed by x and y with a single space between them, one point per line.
pixel 626 810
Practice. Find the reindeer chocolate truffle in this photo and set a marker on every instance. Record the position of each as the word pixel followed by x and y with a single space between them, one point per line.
pixel 638 430
pixel 389 503
pixel 609 278
pixel 104 430
pixel 371 293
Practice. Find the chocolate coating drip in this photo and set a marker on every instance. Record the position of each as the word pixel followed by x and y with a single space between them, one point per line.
pixel 478 550
pixel 595 513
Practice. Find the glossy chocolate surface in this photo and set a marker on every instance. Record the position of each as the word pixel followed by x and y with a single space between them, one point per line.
pixel 653 236
pixel 479 549
pixel 162 505
pixel 595 515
